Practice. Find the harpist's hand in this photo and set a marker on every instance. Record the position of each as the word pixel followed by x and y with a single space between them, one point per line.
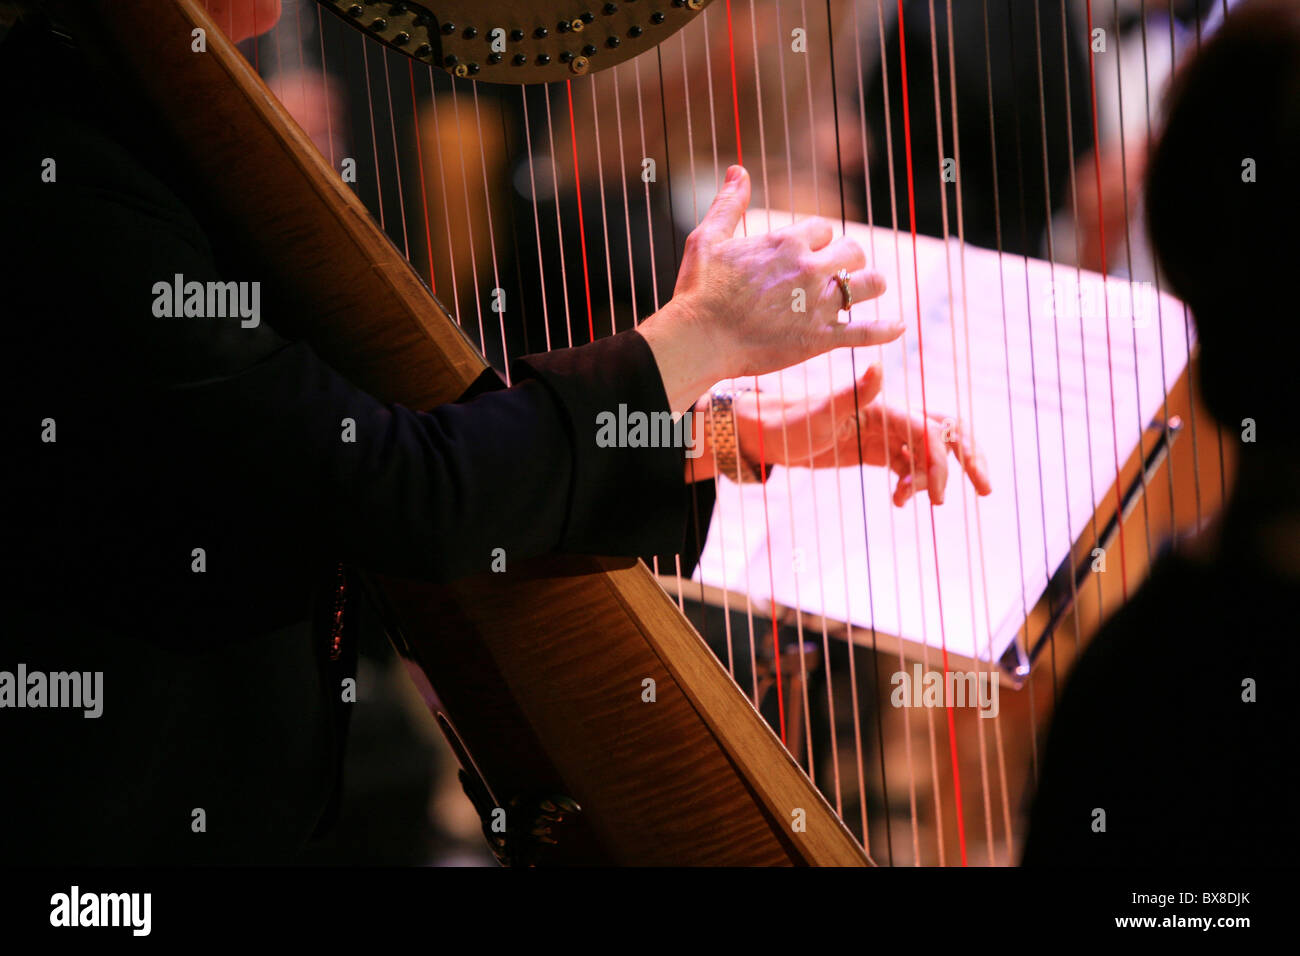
pixel 825 432
pixel 744 305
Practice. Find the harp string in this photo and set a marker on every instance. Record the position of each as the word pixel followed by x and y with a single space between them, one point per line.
pixel 744 525
pixel 893 544
pixel 965 317
pixel 1218 432
pixel 672 222
pixel 1110 370
pixel 1160 312
pixel 762 451
pixel 604 215
pixel 826 655
pixel 1128 259
pixel 1006 354
pixel 497 289
pixel 509 190
pixel 695 218
pixel 419 164
pixel 1078 273
pixel 559 226
pixel 537 226
pixel 717 480
pixel 1029 306
pixel 622 179
pixel 990 674
pixel 857 424
pixel 916 282
pixel 446 205
pixel 907 398
pixel 397 155
pixel 582 225
pixel 649 215
pixel 804 681
pixel 469 216
pixel 1024 257
pixel 907 402
pixel 370 110
pixel 1056 341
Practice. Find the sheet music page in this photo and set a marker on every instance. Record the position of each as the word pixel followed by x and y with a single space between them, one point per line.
pixel 1016 350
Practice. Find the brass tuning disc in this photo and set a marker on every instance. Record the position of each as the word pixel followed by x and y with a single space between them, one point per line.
pixel 516 41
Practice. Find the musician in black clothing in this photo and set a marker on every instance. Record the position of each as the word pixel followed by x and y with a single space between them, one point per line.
pixel 179 493
pixel 1176 738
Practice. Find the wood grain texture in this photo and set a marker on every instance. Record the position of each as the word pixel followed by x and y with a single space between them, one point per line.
pixel 541 669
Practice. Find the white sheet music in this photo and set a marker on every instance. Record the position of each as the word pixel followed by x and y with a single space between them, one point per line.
pixel 1050 452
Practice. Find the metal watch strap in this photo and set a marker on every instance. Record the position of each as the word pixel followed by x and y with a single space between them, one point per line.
pixel 726 448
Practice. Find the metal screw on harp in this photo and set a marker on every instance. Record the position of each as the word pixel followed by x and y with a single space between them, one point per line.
pixel 846 296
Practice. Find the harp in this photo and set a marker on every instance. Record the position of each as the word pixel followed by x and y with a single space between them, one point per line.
pixel 538 180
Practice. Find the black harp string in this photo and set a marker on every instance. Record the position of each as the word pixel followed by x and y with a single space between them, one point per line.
pixel 672 221
pixel 767 209
pixel 1218 432
pixel 862 488
pixel 469 218
pixel 397 155
pixel 1006 354
pixel 622 179
pixel 508 175
pixel 537 225
pixel 604 213
pixel 1078 281
pixel 907 400
pixel 1056 339
pixel 839 503
pixel 953 312
pixel 932 739
pixel 1160 312
pixel 740 498
pixel 1187 319
pixel 325 75
pixel 805 695
pixel 498 305
pixel 952 309
pixel 1021 205
pixel 446 206
pixel 374 141
pixel 816 523
pixel 418 135
pixel 695 219
pixel 672 226
pixel 828 660
pixel 1110 364
pixel 559 226
pixel 1128 259
pixel 971 438
pixel 979 525
pixel 717 480
pixel 888 465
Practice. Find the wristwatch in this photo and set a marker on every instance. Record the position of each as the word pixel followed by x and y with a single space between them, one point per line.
pixel 721 424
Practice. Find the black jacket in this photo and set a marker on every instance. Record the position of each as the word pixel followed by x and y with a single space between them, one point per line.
pixel 176 434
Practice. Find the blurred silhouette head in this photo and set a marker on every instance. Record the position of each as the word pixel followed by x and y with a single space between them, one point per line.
pixel 1223 200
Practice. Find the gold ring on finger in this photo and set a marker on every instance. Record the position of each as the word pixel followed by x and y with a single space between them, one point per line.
pixel 846 294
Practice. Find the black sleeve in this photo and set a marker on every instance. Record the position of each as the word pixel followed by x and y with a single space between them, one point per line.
pixel 242 414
